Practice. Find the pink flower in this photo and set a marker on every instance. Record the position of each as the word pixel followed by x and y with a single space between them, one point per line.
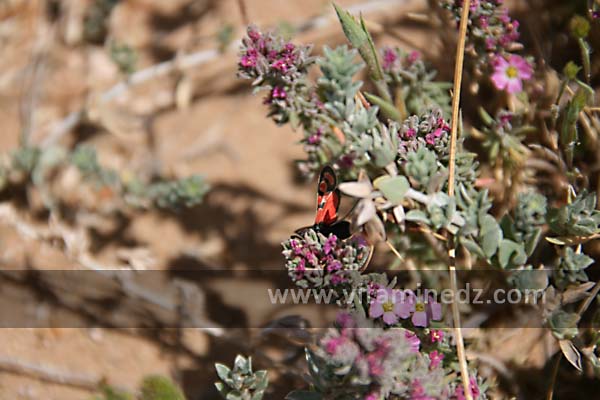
pixel 413 341
pixel 389 58
pixel 410 133
pixel 509 74
pixel 278 93
pixel 332 345
pixel 437 336
pixel 329 244
pixel 387 305
pixel 249 59
pixel 413 56
pixel 372 396
pixel 460 391
pixel 280 65
pixel 435 358
pixel 484 21
pixel 418 392
pixel 425 311
pixel 345 320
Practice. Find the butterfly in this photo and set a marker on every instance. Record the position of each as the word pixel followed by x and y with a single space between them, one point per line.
pixel 328 203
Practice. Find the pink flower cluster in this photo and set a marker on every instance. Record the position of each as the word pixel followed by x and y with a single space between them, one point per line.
pixel 262 49
pixel 345 345
pixel 394 59
pixel 317 260
pixel 459 394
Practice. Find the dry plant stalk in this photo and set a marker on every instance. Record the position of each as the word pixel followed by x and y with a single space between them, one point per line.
pixel 458 71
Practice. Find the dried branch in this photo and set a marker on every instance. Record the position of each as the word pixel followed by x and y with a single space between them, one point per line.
pixel 458 71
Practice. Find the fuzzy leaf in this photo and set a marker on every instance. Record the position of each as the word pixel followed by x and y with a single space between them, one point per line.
pixel 563 324
pixel 490 234
pixel 387 108
pixel 393 188
pixel 511 254
pixel 222 371
pixel 472 247
pixel 417 216
pixel 359 37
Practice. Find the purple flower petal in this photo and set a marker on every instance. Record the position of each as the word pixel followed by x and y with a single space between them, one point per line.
pixel 435 310
pixel 514 85
pixel 390 318
pixel 499 79
pixel 376 310
pixel 419 318
pixel 403 309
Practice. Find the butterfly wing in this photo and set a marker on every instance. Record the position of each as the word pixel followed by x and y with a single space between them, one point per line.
pixel 328 197
pixel 341 229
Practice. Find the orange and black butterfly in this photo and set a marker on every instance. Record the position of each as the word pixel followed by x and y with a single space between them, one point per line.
pixel 328 203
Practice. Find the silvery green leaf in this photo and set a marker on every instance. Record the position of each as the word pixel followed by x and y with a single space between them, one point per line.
pixel 360 38
pixel 387 109
pixel 531 241
pixel 490 234
pixel 242 364
pixel 262 380
pixel 417 216
pixel 221 388
pixel 529 279
pixel 234 396
pixel 564 324
pixel 472 247
pixel 511 254
pixel 222 371
pixel 393 188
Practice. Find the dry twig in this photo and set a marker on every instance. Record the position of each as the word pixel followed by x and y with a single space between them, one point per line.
pixel 458 71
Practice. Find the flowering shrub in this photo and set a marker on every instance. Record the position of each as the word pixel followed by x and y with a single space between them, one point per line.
pixel 318 261
pixel 389 138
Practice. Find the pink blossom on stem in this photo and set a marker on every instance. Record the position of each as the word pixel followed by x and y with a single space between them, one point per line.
pixel 389 58
pixel 437 335
pixel 435 358
pixel 460 391
pixel 413 56
pixel 509 74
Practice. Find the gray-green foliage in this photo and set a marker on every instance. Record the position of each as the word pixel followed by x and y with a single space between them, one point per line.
pixel 240 382
pixel 35 165
pixel 571 268
pixel 580 218
pixel 563 324
pixel 169 194
pixel 124 57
